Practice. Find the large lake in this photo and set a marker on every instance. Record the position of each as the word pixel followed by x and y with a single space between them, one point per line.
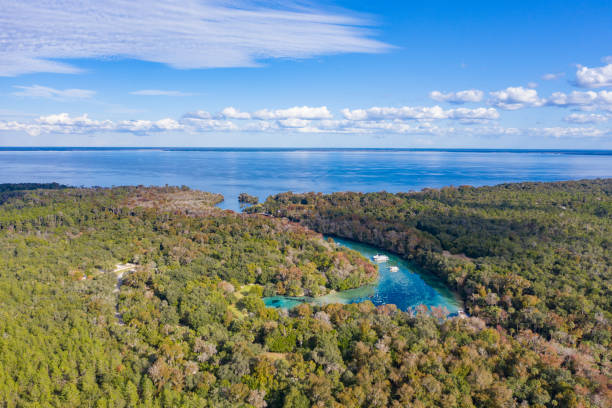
pixel 263 172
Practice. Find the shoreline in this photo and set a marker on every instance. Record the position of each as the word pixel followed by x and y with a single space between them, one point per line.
pixel 408 280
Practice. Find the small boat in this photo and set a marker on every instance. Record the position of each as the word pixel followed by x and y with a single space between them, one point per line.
pixel 380 258
pixel 394 269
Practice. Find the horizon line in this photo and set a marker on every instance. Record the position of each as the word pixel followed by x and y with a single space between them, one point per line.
pixel 227 148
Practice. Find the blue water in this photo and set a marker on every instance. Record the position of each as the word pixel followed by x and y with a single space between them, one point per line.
pixel 262 172
pixel 406 288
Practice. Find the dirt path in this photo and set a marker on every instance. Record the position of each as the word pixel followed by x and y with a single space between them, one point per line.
pixel 120 270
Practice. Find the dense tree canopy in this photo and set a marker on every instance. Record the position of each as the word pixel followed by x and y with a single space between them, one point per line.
pixel 186 325
pixel 60 341
pixel 532 258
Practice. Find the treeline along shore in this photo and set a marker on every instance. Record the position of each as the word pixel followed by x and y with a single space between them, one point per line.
pixel 531 261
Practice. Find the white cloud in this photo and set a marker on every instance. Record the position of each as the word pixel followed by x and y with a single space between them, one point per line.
pixel 294 123
pixel 200 114
pixel 38 91
pixel 469 95
pixel 417 121
pixel 194 124
pixel 585 118
pixel 186 34
pixel 297 112
pixel 552 77
pixel 473 114
pixel 63 123
pixel 513 98
pixel 564 132
pixel 572 99
pixel 13 63
pixel 587 100
pixel 146 126
pixel 605 97
pixel 260 126
pixel 159 92
pixel 419 113
pixel 232 113
pixel 594 77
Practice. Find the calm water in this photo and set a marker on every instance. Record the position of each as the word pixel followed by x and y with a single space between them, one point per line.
pixel 263 172
pixel 406 288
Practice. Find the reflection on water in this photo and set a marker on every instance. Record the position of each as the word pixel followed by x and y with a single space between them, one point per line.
pixel 406 288
pixel 264 172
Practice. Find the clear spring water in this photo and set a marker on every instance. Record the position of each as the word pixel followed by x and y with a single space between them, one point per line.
pixel 406 288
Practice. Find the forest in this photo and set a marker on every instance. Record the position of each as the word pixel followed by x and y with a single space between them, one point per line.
pixel 187 327
pixel 531 259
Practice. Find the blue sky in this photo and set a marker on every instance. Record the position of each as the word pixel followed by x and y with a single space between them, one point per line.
pixel 307 73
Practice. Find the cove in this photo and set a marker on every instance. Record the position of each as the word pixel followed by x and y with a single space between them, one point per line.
pixel 406 288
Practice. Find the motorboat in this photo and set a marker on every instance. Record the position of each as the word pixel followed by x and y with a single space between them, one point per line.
pixel 394 269
pixel 380 258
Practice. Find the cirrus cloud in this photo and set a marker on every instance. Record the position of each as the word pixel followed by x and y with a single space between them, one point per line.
pixel 38 34
pixel 45 92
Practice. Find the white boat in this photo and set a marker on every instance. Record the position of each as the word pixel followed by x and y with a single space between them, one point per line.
pixel 394 269
pixel 380 258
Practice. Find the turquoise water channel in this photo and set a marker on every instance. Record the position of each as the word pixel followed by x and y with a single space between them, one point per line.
pixel 406 288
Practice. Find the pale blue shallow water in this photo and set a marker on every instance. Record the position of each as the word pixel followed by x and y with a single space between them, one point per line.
pixel 406 288
pixel 263 172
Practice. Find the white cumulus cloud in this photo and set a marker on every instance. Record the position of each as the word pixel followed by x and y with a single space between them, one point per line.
pixel 297 112
pixel 232 113
pixel 63 123
pixel 376 121
pixel 594 77
pixel 146 126
pixel 587 100
pixel 574 98
pixel 36 35
pixel 513 98
pixel 469 95
pixel 294 123
pixel 419 113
